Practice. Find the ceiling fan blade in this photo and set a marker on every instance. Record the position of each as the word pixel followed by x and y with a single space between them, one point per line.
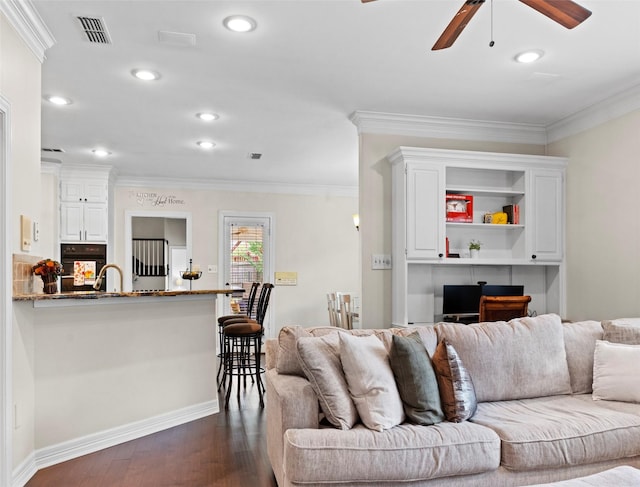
pixel 567 13
pixel 366 1
pixel 457 24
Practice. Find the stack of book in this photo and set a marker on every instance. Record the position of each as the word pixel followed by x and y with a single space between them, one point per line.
pixel 513 214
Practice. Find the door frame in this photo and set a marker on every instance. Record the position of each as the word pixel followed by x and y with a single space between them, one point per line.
pixel 6 302
pixel 271 254
pixel 128 232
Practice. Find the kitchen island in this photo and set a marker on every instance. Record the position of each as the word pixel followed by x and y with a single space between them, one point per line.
pixel 74 298
pixel 108 367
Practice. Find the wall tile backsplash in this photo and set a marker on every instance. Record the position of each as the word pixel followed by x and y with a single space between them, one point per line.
pixel 24 282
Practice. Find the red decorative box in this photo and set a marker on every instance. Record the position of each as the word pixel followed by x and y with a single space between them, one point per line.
pixel 459 208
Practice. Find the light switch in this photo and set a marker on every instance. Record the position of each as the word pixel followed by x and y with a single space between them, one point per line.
pixel 380 261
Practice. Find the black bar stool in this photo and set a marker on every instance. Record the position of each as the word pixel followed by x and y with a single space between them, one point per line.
pixel 241 350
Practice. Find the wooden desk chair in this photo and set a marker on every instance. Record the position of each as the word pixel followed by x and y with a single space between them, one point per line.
pixel 503 308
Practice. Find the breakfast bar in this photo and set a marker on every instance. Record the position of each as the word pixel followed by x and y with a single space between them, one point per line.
pixel 108 367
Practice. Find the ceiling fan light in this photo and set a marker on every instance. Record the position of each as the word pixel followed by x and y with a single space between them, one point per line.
pixel 146 74
pixel 529 56
pixel 239 23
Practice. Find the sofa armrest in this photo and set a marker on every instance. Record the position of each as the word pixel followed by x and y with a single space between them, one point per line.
pixel 271 352
pixel 291 403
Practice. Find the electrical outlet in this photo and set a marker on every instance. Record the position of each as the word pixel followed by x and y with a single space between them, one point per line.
pixel 380 261
pixel 212 269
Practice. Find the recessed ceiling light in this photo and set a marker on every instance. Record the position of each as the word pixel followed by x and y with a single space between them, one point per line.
pixel 101 152
pixel 58 100
pixel 205 144
pixel 240 23
pixel 207 116
pixel 529 56
pixel 146 74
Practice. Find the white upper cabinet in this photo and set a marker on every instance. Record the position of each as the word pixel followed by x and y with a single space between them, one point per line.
pixel 84 204
pixel 546 229
pixel 425 203
pixel 80 190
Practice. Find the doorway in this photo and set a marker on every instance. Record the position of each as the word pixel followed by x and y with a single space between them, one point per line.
pixel 246 253
pixel 150 237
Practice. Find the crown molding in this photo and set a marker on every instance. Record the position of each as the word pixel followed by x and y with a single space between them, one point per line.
pixel 596 114
pixel 239 186
pixel 448 128
pixel 26 20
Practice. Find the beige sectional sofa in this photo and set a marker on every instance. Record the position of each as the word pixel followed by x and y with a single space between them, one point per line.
pixel 537 418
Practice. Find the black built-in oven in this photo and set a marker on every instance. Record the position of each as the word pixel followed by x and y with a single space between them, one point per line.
pixel 94 256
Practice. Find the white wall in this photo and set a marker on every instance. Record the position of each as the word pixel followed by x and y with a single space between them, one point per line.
pixel 375 210
pixel 315 237
pixel 102 366
pixel 20 85
pixel 603 227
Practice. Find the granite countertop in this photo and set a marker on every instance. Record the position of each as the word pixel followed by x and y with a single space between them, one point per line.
pixel 84 295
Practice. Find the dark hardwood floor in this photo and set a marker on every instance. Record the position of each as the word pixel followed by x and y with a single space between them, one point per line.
pixel 227 449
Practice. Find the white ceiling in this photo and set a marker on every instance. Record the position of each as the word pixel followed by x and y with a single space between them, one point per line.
pixel 287 89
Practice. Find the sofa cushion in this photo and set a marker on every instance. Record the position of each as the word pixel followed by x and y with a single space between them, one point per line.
pixel 557 431
pixel 518 359
pixel 401 454
pixel 320 361
pixel 622 330
pixel 287 361
pixel 371 383
pixel 615 369
pixel 427 334
pixel 416 380
pixel 456 387
pixel 579 343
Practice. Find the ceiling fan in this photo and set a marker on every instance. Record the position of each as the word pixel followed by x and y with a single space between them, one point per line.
pixel 567 13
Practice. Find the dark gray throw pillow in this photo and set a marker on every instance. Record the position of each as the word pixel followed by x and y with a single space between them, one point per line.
pixel 416 380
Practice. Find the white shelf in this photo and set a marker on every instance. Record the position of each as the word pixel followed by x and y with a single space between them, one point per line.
pixel 485 226
pixel 506 193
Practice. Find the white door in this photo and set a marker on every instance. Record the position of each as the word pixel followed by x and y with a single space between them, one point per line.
pixel 246 253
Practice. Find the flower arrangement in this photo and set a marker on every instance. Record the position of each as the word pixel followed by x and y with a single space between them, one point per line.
pixel 47 267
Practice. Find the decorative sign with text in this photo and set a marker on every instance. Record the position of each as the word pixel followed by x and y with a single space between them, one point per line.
pixel 159 200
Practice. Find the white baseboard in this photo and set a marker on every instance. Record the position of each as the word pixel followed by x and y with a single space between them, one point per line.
pixel 23 472
pixel 78 447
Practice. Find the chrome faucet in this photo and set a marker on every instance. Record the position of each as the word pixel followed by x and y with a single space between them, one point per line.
pixel 98 282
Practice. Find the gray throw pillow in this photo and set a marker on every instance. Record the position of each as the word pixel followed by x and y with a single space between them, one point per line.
pixel 416 380
pixel 456 387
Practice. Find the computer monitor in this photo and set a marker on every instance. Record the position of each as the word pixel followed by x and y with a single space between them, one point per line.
pixel 502 290
pixel 464 299
pixel 460 300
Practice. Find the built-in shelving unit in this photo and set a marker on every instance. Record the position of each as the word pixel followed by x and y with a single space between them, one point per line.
pixel 530 252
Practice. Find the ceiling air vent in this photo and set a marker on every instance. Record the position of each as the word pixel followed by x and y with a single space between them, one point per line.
pixel 95 30
pixel 49 149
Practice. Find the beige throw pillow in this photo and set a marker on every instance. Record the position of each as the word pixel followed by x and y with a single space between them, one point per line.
pixel 371 383
pixel 320 361
pixel 615 372
pixel 623 330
